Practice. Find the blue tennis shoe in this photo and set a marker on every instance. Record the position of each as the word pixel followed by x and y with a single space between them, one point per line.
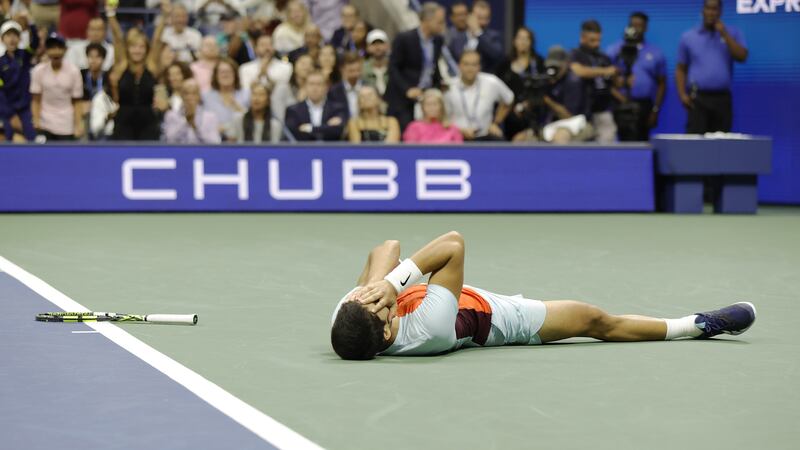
pixel 734 319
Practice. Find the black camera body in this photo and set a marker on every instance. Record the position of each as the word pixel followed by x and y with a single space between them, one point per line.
pixel 630 46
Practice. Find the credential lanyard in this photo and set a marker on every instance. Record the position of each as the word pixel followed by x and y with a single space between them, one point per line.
pixel 473 116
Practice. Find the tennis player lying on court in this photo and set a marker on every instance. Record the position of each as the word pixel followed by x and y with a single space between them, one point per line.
pixel 390 313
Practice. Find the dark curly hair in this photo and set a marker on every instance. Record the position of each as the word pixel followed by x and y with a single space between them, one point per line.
pixel 356 333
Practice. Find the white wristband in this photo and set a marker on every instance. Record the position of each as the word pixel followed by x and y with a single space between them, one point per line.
pixel 405 275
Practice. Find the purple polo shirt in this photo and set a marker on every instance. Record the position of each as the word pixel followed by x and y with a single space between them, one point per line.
pixel 649 66
pixel 709 61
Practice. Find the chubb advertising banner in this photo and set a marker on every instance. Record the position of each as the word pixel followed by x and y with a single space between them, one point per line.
pixel 341 178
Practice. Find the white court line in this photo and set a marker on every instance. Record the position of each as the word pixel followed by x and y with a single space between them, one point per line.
pixel 254 420
pixel 85 332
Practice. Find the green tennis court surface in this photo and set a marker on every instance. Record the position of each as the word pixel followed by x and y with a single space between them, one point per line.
pixel 264 286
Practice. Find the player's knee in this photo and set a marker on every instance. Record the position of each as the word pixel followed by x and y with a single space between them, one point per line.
pixel 455 236
pixel 599 324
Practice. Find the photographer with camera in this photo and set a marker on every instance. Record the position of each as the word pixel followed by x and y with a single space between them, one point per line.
pixel 644 81
pixel 597 73
pixel 549 104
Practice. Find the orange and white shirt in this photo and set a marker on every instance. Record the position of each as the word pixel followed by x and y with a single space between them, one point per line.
pixel 432 321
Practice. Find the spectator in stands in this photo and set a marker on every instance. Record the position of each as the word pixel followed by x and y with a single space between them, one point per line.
pixel 95 34
pixel 290 35
pixel 543 107
pixel 643 71
pixel 376 66
pixel 29 38
pixel 74 18
pixel 133 80
pixel 174 76
pixel 203 68
pixel 360 32
pixel 226 97
pixel 312 46
pixel 328 64
pixel 346 91
pixel 522 67
pixel 180 37
pixel 478 36
pixel 478 102
pixel 45 14
pixel 413 63
pixel 191 124
pixel 456 36
pixel 256 125
pixel 327 15
pixel 317 119
pixel 57 91
pixel 434 127
pixel 15 82
pixel 212 13
pixel 94 77
pixel 705 70
pixel 271 10
pixel 596 72
pixel 371 125
pixel 342 39
pixel 287 94
pixel 265 69
pixel 239 37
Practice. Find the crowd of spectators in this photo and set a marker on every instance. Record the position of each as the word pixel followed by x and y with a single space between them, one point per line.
pixel 257 71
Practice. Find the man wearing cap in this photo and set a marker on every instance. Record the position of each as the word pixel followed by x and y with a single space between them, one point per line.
pixel 376 66
pixel 57 90
pixel 15 80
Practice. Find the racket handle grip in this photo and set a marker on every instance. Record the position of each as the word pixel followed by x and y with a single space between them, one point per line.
pixel 185 319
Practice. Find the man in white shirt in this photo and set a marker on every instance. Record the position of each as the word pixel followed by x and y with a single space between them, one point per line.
pixel 95 34
pixel 266 69
pixel 472 98
pixel 183 39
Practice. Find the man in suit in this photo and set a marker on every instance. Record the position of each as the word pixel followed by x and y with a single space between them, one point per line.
pixel 317 119
pixel 478 36
pixel 413 64
pixel 456 37
pixel 346 91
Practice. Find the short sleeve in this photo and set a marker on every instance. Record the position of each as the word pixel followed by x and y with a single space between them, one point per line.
pixel 506 94
pixel 77 84
pixel 683 52
pixel 36 81
pixel 738 36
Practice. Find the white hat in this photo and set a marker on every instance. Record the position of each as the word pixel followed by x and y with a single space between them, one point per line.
pixel 377 35
pixel 9 25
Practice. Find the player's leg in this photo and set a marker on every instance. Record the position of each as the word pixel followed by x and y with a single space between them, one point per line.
pixel 567 318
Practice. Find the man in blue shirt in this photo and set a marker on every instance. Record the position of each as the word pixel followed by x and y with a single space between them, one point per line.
pixel 15 80
pixel 644 74
pixel 705 70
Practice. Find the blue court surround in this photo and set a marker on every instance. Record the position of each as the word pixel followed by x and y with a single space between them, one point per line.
pixel 65 390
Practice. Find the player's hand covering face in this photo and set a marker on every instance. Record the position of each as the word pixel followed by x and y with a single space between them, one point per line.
pixel 376 296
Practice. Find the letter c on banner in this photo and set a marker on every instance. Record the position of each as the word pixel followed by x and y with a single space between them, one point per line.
pixel 133 164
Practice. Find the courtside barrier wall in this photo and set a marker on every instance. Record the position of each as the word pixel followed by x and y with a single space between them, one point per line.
pixel 326 178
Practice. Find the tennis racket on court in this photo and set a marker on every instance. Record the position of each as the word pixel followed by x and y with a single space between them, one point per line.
pixel 91 316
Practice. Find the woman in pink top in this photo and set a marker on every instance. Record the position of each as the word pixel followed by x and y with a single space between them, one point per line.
pixel 434 128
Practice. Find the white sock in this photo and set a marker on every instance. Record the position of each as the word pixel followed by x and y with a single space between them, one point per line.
pixel 683 327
